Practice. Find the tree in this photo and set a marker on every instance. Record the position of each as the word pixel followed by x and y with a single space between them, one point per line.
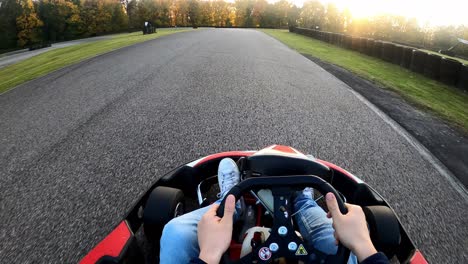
pixel 132 14
pixel 103 16
pixel 9 11
pixel 194 13
pixel 125 5
pixel 243 9
pixel 119 18
pixel 312 15
pixel 293 15
pixel 258 12
pixel 28 24
pixel 333 19
pixel 58 20
pixel 379 27
pixel 462 32
pixel 205 18
pixel 282 12
pixel 411 33
pixel 268 17
pixel 179 10
pixel 444 37
pixel 347 19
pixel 61 19
pixel 220 13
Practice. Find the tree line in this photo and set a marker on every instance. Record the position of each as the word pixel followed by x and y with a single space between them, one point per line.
pixel 384 27
pixel 25 22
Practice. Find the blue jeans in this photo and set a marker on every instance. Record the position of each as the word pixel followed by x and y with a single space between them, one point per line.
pixel 179 241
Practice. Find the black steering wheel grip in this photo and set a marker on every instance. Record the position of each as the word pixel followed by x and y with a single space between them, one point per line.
pixel 280 181
pixel 292 182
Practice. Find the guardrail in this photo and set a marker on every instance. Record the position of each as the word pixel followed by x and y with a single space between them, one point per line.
pixel 446 70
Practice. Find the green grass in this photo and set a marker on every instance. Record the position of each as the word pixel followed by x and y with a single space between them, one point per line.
pixel 447 102
pixel 42 64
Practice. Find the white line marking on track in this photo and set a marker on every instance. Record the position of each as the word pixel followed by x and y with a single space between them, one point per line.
pixel 423 151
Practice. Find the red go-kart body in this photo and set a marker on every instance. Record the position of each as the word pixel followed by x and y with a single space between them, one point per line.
pixel 135 239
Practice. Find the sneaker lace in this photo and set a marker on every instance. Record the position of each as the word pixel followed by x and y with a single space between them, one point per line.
pixel 228 181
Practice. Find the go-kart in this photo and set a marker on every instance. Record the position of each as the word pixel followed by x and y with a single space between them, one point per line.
pixel 269 178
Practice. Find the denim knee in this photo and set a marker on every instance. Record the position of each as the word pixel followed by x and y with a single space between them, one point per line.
pixel 177 228
pixel 179 242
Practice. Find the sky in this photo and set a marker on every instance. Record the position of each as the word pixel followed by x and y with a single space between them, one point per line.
pixel 435 13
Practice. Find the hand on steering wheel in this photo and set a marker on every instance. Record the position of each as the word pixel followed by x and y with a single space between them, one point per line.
pixel 351 229
pixel 283 241
pixel 214 233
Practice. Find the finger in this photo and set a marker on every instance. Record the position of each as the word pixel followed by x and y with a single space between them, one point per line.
pixel 332 205
pixel 335 235
pixel 229 209
pixel 329 215
pixel 212 210
pixel 352 207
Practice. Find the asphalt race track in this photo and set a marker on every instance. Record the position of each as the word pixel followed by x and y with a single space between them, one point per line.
pixel 78 146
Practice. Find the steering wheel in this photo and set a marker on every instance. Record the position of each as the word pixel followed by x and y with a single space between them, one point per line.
pixel 283 240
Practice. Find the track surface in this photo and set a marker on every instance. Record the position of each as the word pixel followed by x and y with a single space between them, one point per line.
pixel 79 145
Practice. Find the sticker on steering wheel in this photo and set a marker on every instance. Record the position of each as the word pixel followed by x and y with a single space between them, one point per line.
pixel 301 251
pixel 264 253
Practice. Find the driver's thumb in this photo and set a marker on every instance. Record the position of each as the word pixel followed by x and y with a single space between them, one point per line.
pixel 332 205
pixel 229 209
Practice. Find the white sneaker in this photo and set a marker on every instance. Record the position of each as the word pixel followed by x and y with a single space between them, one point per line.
pixel 308 192
pixel 228 176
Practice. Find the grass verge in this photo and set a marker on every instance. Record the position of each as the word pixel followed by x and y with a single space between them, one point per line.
pixel 447 102
pixel 42 64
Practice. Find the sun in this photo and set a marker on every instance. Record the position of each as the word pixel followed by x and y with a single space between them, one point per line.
pixel 427 12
